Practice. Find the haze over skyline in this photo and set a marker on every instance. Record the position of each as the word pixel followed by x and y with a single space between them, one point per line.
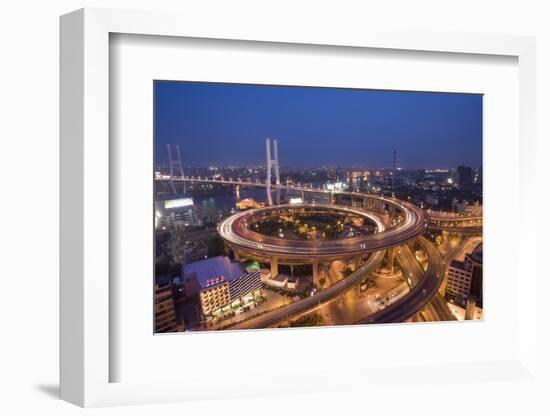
pixel 219 124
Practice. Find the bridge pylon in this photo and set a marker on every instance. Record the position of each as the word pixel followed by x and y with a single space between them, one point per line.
pixel 272 165
pixel 175 167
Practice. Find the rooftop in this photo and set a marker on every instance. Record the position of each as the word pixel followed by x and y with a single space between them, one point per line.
pixel 477 254
pixel 456 264
pixel 280 278
pixel 214 271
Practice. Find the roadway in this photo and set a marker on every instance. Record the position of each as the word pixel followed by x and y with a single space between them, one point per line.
pixel 412 269
pixel 426 285
pixel 234 231
pixel 272 317
pixel 241 182
pixel 455 223
pixel 466 230
pixel 424 293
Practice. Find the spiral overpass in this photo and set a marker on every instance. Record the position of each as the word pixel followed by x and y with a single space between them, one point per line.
pixel 412 222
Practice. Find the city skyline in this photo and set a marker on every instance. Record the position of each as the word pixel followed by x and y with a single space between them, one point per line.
pixel 201 116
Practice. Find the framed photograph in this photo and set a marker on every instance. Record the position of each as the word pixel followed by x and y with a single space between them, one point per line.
pixel 340 233
pixel 264 205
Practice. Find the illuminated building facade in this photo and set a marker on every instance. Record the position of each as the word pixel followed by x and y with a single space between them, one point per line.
pixel 174 212
pixel 219 282
pixel 214 295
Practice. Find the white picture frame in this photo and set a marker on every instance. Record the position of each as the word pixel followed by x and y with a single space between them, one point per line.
pixel 85 213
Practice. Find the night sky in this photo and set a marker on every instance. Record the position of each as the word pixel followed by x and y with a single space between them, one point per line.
pixel 219 124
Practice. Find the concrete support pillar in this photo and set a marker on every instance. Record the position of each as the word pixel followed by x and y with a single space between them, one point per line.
pixel 391 259
pixel 236 254
pixel 238 193
pixel 332 198
pixel 315 269
pixel 274 266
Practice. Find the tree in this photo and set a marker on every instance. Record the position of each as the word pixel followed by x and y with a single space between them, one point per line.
pixel 163 266
pixel 346 271
pixel 175 269
pixel 307 320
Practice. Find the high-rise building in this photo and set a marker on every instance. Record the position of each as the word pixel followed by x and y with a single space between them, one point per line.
pixel 465 175
pixel 165 312
pixel 478 176
pixel 465 277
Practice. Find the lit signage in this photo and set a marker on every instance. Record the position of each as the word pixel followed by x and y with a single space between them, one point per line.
pixel 214 281
pixel 178 203
pixel 296 200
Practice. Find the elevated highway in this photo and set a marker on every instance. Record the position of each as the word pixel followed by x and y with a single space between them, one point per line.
pixel 235 232
pixel 426 284
pixel 423 295
pixel 241 182
pixel 453 223
pixel 414 224
pixel 273 317
pixel 412 268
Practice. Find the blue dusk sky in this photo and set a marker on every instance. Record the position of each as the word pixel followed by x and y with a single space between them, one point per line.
pixel 218 124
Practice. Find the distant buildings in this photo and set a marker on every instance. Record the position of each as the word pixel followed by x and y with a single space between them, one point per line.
pixel 463 207
pixel 431 199
pixel 190 251
pixel 219 282
pixel 248 203
pixel 174 212
pixel 465 278
pixel 478 177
